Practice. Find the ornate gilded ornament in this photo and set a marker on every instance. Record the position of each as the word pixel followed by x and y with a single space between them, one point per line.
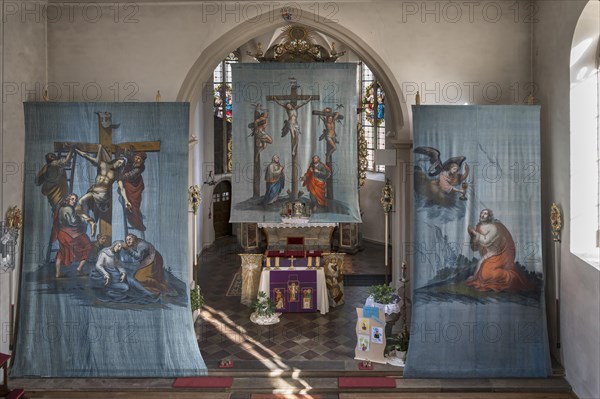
pixel 299 45
pixel 14 218
pixel 387 197
pixel 555 221
pixel 9 234
pixel 363 161
pixel 229 155
pixel 194 198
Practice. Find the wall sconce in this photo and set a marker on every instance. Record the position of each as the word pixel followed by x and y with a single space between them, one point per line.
pixel 211 179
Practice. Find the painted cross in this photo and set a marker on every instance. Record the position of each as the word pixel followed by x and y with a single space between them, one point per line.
pixel 100 193
pixel 291 126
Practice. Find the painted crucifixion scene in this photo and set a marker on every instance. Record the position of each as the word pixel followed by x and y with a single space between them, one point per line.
pixel 97 245
pixel 298 144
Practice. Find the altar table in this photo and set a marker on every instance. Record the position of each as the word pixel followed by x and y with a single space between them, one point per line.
pixel 322 298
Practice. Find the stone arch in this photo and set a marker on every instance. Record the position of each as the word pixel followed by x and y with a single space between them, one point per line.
pixel 198 74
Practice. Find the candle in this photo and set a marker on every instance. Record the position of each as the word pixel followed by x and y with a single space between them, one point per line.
pixel 310 261
pixel 268 262
pixel 318 261
pixel 277 262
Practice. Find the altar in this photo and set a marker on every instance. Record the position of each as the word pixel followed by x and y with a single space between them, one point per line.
pixel 296 290
pixel 298 236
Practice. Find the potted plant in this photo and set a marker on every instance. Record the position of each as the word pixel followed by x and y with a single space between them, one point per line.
pixel 384 296
pixel 264 310
pixel 396 347
pixel 196 301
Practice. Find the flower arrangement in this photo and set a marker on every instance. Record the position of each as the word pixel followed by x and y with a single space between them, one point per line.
pixel 263 305
pixel 196 298
pixel 384 294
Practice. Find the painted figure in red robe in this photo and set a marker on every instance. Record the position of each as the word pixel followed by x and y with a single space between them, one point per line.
pixel 70 231
pixel 496 270
pixel 315 180
pixel 133 186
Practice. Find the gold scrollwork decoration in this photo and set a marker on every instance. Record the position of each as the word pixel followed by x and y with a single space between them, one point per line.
pixel 14 218
pixel 555 221
pixel 363 162
pixel 229 155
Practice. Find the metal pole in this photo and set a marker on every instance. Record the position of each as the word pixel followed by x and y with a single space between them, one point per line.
pixel 387 216
pixel 557 289
pixel 195 241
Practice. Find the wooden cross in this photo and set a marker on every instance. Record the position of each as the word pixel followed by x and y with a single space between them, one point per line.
pixel 105 130
pixel 291 107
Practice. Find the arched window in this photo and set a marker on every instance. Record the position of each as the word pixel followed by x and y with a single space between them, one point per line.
pixel 223 115
pixel 584 139
pixel 373 115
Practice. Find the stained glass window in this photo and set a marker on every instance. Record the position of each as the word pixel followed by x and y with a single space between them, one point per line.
pixel 223 115
pixel 372 115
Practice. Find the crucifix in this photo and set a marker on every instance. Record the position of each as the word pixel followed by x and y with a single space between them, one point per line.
pixel 329 119
pixel 291 126
pixel 291 263
pixel 99 196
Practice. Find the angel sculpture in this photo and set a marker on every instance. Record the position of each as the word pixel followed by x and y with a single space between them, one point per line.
pixel 442 179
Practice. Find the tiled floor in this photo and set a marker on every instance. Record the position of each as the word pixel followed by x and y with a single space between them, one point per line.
pixel 225 330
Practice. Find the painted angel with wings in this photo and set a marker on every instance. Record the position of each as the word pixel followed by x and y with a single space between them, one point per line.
pixel 442 179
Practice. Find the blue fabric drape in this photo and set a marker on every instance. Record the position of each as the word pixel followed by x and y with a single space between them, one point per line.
pixel 478 288
pixel 76 325
pixel 255 85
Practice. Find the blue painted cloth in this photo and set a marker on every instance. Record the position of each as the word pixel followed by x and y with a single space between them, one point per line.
pixel 77 325
pixel 263 127
pixel 478 284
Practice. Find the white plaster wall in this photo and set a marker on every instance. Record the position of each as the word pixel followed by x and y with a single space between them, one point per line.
pixel 580 282
pixel 427 46
pixel 23 45
pixel 373 217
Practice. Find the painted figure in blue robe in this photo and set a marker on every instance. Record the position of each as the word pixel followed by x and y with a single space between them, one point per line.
pixel 274 179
